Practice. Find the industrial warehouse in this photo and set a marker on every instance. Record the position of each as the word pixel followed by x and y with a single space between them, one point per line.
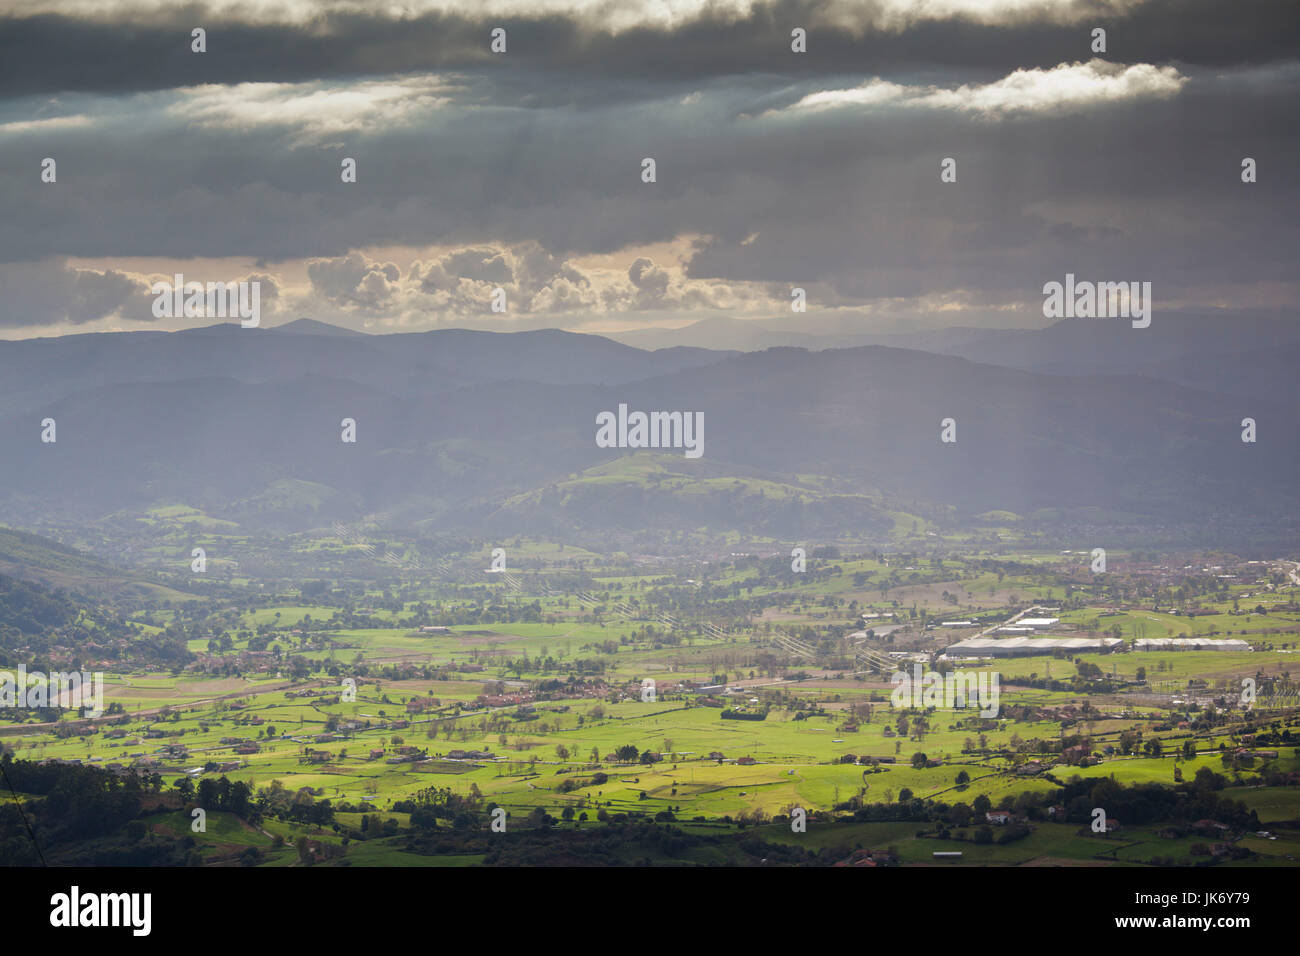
pixel 1029 646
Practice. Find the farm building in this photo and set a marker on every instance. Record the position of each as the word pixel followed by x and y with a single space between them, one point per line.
pixel 1037 622
pixel 1028 646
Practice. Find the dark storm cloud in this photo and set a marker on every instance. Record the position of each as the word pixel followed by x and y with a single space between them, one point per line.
pixel 52 53
pixel 793 176
pixel 844 195
pixel 1153 189
pixel 56 292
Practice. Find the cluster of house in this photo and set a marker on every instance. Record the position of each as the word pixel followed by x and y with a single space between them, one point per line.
pixel 581 690
pixel 469 755
pixel 1059 714
pixel 140 767
pixel 419 705
pixel 1002 818
pixel 325 696
pixel 718 755
pixel 62 657
pixel 503 700
pixel 1077 756
pixel 1224 847
pixel 1257 754
pixel 244 661
pixel 408 754
pixel 870 858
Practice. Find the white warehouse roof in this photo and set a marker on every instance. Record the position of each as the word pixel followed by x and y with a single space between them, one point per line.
pixel 983 646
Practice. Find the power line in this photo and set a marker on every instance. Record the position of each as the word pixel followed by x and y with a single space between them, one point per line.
pixel 30 832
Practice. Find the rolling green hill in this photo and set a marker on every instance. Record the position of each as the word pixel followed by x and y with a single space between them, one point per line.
pixel 32 558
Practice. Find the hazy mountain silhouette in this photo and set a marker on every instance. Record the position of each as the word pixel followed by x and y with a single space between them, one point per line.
pixel 1243 353
pixel 37 371
pixel 474 430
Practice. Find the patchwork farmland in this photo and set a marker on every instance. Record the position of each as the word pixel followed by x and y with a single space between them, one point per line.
pixel 439 719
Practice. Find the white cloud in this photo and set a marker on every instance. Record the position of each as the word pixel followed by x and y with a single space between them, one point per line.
pixel 50 125
pixel 317 110
pixel 355 282
pixel 1066 86
pixel 457 285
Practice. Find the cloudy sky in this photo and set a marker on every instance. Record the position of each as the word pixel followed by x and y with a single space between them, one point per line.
pixel 523 169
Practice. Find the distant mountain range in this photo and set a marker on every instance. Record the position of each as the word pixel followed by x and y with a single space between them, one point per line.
pixel 35 371
pixel 496 431
pixel 1246 353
